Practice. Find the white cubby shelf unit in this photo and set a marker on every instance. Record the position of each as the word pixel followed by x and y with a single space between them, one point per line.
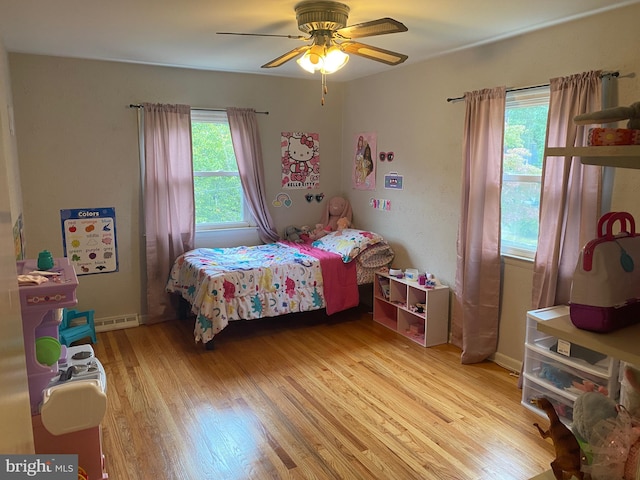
pixel 396 306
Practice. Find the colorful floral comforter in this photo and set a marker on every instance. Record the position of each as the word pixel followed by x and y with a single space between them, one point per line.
pixel 224 284
pixel 243 283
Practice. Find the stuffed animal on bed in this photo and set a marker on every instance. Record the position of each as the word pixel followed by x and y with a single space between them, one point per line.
pixel 318 232
pixel 343 223
pixel 336 208
pixel 296 234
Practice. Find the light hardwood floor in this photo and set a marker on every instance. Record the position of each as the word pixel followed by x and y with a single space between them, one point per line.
pixel 309 397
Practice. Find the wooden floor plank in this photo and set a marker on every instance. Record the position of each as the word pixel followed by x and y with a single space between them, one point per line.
pixel 309 397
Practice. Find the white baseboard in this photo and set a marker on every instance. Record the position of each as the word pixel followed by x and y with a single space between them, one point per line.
pixel 105 324
pixel 507 362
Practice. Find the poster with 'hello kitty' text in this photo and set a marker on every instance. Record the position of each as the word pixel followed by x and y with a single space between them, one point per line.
pixel 300 160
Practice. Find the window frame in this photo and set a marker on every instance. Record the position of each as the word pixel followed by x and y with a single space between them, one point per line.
pixel 523 98
pixel 219 116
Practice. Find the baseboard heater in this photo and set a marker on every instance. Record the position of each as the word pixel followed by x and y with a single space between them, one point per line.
pixel 116 323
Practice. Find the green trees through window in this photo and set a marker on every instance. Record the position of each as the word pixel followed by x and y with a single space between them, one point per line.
pixel 524 140
pixel 218 193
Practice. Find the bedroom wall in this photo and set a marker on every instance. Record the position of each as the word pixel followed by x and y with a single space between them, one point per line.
pixel 78 148
pixel 15 409
pixel 78 144
pixel 407 108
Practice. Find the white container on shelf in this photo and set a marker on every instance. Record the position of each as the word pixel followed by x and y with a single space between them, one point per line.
pixel 411 274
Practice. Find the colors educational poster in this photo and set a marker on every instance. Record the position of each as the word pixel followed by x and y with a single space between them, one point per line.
pixel 89 239
pixel 363 174
pixel 300 160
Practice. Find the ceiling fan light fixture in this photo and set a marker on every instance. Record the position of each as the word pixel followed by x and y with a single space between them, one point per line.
pixel 319 58
pixel 334 60
pixel 313 59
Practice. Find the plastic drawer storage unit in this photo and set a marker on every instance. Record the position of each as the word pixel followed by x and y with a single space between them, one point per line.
pixel 415 311
pixel 561 370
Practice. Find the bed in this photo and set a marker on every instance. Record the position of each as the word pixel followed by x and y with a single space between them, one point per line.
pixel 244 283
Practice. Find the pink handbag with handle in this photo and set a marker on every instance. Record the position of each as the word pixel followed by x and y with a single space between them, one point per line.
pixel 605 292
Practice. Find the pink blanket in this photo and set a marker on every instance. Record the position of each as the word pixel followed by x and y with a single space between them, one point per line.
pixel 340 283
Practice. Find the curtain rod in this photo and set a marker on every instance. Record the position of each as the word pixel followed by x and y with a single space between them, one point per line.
pixel 457 99
pixel 132 105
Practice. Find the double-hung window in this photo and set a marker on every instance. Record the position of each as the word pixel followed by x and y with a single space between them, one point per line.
pixel 219 198
pixel 524 141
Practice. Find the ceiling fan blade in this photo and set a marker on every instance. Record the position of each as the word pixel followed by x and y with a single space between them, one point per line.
pixel 286 57
pixel 373 53
pixel 295 37
pixel 382 26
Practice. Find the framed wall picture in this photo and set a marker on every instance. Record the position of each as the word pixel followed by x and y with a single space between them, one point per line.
pixel 393 181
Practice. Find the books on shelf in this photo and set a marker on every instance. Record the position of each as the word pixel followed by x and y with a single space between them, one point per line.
pixel 384 287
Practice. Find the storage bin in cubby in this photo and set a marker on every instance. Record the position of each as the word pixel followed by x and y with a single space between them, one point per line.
pixel 385 313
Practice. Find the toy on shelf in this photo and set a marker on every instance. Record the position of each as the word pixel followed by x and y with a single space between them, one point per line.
pixel 612 136
pixel 610 115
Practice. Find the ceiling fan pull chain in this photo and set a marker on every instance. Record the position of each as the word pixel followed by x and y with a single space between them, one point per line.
pixel 324 88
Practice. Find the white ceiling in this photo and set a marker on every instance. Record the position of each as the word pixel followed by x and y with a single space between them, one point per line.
pixel 182 33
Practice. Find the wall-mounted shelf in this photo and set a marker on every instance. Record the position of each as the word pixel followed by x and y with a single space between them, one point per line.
pixel 623 156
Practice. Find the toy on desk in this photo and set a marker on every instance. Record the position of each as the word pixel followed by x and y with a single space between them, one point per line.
pixel 568 459
pixel 45 260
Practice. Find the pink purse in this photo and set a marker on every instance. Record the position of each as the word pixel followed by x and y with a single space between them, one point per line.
pixel 605 291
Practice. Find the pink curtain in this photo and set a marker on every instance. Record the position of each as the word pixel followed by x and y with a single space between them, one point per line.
pixel 476 304
pixel 248 151
pixel 169 211
pixel 571 192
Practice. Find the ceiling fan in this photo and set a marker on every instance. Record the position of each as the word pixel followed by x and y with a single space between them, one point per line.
pixel 325 23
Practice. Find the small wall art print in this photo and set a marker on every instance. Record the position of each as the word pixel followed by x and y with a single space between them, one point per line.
pixel 393 181
pixel 89 239
pixel 363 175
pixel 300 160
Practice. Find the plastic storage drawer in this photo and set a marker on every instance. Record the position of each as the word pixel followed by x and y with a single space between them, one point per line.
pixel 559 374
pixel 562 405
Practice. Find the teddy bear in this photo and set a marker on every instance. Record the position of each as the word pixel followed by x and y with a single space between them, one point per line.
pixel 296 234
pixel 317 232
pixel 343 223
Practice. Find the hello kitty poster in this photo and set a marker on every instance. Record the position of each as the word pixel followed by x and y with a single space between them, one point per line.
pixel 300 160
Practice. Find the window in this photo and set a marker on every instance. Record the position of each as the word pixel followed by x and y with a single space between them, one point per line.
pixel 219 199
pixel 524 139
